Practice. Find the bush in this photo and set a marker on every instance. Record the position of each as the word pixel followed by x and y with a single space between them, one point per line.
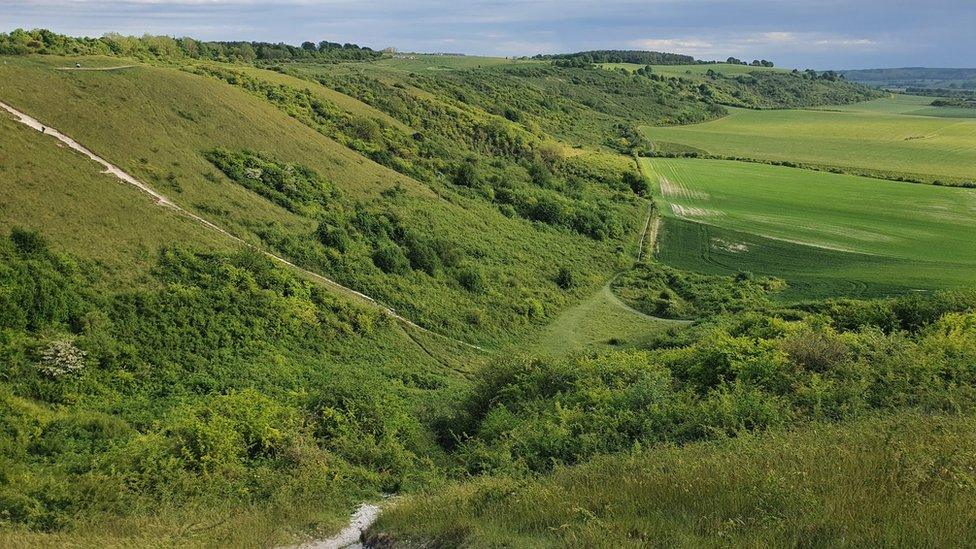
pixel 565 278
pixel 61 358
pixel 390 258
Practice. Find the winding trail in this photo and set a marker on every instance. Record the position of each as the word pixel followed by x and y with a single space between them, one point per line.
pixel 165 202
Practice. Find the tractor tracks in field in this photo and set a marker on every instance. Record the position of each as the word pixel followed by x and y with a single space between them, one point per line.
pixel 161 200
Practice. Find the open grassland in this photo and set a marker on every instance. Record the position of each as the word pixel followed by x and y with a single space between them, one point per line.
pixel 599 322
pixel 46 187
pixel 822 232
pixel 874 138
pixel 902 481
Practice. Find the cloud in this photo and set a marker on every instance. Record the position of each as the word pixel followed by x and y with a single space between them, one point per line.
pixel 764 43
pixel 815 33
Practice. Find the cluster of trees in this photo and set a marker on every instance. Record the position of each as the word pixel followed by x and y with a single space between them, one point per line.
pixel 964 102
pixel 294 187
pixel 393 247
pixel 42 41
pixel 585 58
pixel 755 62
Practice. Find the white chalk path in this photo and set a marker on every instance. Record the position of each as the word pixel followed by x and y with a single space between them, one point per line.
pixel 161 200
pixel 349 537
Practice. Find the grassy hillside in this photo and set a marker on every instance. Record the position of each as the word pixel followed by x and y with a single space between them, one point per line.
pixel 50 189
pixel 878 482
pixel 874 138
pixel 169 119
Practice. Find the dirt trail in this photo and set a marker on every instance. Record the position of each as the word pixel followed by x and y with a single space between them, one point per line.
pixel 161 200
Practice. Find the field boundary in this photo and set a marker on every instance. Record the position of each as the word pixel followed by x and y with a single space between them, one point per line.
pixel 161 200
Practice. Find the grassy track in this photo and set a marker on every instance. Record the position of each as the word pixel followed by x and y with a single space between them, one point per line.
pixel 825 233
pixel 876 137
pixel 599 322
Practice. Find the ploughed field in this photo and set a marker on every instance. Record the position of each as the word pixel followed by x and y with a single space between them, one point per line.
pixel 826 234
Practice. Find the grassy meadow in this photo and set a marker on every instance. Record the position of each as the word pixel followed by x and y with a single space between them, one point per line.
pixel 817 230
pixel 880 138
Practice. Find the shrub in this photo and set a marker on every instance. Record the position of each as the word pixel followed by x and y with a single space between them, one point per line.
pixel 390 258
pixel 61 358
pixel 472 279
pixel 565 278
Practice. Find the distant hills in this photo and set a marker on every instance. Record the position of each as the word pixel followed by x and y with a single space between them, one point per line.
pixel 914 77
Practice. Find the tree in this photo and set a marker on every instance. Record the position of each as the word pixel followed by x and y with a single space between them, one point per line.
pixel 308 46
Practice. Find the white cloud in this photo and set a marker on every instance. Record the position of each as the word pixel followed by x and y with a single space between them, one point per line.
pixel 768 43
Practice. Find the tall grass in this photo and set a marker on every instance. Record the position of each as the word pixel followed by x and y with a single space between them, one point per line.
pixel 905 480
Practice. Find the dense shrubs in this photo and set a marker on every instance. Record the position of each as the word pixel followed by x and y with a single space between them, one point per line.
pixel 751 372
pixel 291 186
pixel 225 375
pixel 662 291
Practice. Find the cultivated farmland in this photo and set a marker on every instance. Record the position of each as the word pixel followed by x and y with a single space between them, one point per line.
pixel 828 232
pixel 879 138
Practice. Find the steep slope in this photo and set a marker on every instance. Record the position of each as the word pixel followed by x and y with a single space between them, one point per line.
pixel 165 121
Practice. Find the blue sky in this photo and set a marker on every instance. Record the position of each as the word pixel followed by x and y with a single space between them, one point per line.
pixel 811 33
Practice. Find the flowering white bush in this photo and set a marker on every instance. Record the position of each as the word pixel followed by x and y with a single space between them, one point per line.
pixel 61 357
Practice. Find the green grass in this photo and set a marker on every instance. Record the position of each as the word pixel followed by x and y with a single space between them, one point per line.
pixel 900 481
pixel 82 211
pixel 156 123
pixel 824 233
pixel 874 138
pixel 597 323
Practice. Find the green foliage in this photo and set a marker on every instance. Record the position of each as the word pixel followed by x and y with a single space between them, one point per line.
pixel 223 377
pixel 665 292
pixel 565 278
pixel 747 373
pixel 821 485
pixel 291 186
pixel 43 41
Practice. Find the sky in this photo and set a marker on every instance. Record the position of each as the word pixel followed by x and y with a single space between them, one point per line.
pixel 819 34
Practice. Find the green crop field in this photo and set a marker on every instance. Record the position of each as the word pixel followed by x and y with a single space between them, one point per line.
pixel 875 138
pixel 826 232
